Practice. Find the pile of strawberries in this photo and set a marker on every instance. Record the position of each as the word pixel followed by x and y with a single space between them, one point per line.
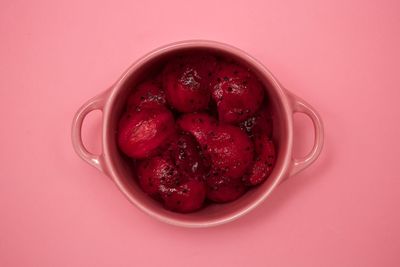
pixel 198 131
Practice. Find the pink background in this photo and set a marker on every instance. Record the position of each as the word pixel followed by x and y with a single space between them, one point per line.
pixel 341 56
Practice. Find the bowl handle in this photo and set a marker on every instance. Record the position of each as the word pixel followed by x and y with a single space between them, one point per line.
pixel 299 105
pixel 95 103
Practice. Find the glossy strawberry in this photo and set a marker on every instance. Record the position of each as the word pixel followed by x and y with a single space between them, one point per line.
pixel 187 197
pixel 197 124
pixel 186 154
pixel 260 124
pixel 230 150
pixel 186 82
pixel 146 94
pixel 142 132
pixel 222 189
pixel 237 92
pixel 264 161
pixel 156 172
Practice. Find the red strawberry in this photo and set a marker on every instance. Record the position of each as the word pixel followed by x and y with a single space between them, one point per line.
pixel 185 198
pixel 184 151
pixel 264 163
pixel 146 94
pixel 221 189
pixel 142 132
pixel 198 124
pixel 186 81
pixel 156 172
pixel 230 150
pixel 260 124
pixel 237 92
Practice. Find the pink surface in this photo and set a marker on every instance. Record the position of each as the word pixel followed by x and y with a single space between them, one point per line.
pixel 341 56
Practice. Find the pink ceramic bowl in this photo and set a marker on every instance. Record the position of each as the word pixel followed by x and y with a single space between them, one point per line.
pixel 113 164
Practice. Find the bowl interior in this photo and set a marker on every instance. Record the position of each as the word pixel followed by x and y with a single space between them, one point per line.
pixel 122 171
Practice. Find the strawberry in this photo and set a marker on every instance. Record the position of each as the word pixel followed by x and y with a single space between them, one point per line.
pixel 237 92
pixel 187 197
pixel 259 124
pixel 185 152
pixel 186 81
pixel 222 189
pixel 264 162
pixel 197 124
pixel 146 94
pixel 230 150
pixel 142 132
pixel 155 172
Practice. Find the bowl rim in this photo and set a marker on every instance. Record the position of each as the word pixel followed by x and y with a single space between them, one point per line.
pixel 196 44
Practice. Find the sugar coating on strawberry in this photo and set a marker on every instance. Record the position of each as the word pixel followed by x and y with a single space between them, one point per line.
pixel 186 154
pixel 142 132
pixel 187 197
pixel 186 80
pixel 197 124
pixel 264 161
pixel 259 124
pixel 222 189
pixel 230 150
pixel 146 94
pixel 156 172
pixel 237 92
